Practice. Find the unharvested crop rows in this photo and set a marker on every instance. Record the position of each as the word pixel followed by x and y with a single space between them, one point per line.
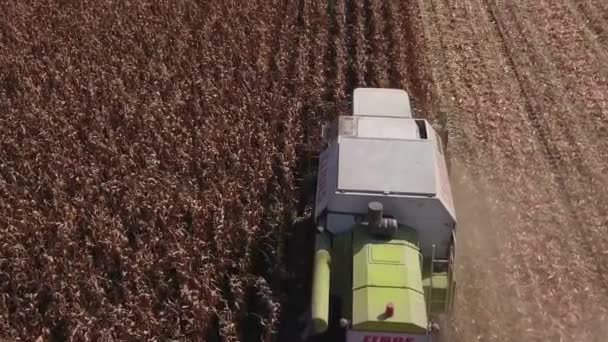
pixel 150 154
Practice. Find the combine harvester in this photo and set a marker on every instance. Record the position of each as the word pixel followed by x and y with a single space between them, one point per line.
pixel 385 240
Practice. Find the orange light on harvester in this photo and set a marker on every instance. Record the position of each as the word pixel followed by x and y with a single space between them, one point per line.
pixel 390 310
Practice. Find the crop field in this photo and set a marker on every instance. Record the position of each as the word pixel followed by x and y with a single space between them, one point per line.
pixel 151 152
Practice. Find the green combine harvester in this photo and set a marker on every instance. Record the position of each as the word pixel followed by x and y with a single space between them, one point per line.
pixel 385 219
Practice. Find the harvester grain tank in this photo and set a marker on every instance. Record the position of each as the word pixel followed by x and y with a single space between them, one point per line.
pixel 385 220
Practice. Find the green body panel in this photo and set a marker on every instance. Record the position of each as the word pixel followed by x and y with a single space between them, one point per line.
pixel 321 283
pixel 387 271
pixel 369 304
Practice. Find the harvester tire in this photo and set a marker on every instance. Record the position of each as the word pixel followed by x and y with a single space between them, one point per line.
pixel 443 330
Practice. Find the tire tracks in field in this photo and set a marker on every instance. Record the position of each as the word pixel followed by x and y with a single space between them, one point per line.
pixel 554 155
pixel 594 20
pixel 473 56
pixel 590 68
pixel 478 286
pixel 594 59
pixel 584 190
pixel 461 30
pixel 494 125
pixel 541 125
pixel 556 131
pixel 551 155
pixel 557 159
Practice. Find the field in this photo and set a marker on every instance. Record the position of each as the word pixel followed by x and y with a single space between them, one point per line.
pixel 150 153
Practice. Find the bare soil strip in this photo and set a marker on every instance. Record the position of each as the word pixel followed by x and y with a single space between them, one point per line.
pixel 524 103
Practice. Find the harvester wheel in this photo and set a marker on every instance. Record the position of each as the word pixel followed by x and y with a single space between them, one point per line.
pixel 440 328
pixel 335 331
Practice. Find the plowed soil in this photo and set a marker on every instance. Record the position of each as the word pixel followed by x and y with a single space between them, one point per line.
pixel 150 154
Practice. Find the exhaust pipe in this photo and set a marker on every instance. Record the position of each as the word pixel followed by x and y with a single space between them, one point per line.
pixel 379 225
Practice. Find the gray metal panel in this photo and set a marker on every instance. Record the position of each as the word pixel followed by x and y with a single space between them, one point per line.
pixel 380 165
pixel 326 179
pixel 340 223
pixel 387 128
pixel 384 127
pixel 381 101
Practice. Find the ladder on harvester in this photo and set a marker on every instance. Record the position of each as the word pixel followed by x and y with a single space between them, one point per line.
pixel 447 287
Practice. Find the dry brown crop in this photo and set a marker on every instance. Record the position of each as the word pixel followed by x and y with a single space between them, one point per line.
pixel 146 168
pixel 150 150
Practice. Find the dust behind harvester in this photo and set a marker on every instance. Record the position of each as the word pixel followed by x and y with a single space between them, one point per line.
pixel 385 224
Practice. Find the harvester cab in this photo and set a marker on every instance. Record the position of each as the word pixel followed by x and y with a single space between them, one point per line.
pixel 385 219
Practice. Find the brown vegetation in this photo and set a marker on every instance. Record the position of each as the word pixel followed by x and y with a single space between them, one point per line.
pixel 149 156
